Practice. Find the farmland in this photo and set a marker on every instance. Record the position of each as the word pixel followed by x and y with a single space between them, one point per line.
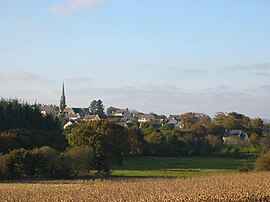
pixel 177 166
pixel 218 187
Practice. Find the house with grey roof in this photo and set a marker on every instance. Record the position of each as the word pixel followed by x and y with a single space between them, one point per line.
pixel 48 110
pixel 148 117
pixel 235 137
pixel 76 113
pixel 92 117
pixel 123 113
pixel 175 120
pixel 174 117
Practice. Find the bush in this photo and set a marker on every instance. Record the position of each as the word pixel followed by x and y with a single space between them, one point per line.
pixel 263 163
pixel 48 160
pixel 265 143
pixel 4 171
pixel 79 159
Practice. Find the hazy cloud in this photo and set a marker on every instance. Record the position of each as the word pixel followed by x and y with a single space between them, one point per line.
pixel 73 5
pixel 264 66
pixel 17 75
pixel 262 74
pixel 264 87
pixel 169 99
pixel 189 71
pixel 79 79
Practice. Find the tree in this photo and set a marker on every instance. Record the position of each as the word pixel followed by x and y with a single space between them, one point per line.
pixel 193 121
pixel 108 140
pixel 14 114
pixel 80 159
pixel 263 163
pixel 265 143
pixel 96 107
pixel 256 126
pixel 23 126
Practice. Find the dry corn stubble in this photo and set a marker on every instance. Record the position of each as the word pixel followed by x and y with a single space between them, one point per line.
pixel 226 187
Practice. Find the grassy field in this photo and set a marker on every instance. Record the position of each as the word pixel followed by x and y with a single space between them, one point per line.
pixel 177 166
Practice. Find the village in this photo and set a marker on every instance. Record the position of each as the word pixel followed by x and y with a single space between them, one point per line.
pixel 127 118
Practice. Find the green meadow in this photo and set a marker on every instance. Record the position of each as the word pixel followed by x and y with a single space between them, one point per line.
pixel 178 166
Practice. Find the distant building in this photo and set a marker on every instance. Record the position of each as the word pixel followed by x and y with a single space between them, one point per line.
pixel 175 120
pixel 124 113
pixel 92 117
pixel 148 117
pixel 235 137
pixel 49 110
pixel 76 113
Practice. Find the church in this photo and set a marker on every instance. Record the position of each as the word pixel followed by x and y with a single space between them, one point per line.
pixel 72 112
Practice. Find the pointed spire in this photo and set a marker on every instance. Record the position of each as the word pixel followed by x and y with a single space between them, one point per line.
pixel 62 100
pixel 63 90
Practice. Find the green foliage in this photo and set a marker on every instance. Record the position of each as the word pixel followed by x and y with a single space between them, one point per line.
pixel 263 163
pixel 214 140
pixel 48 166
pixel 256 126
pixel 62 119
pixel 254 139
pixel 244 166
pixel 135 141
pixel 31 138
pixel 96 107
pixel 23 126
pixel 45 162
pixel 265 143
pixel 236 121
pixel 80 159
pixel 241 151
pixel 215 129
pixel 108 140
pixel 14 114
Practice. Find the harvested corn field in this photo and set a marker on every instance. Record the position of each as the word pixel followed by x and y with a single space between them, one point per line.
pixel 226 187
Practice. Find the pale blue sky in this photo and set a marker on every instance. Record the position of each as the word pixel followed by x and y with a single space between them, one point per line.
pixel 170 56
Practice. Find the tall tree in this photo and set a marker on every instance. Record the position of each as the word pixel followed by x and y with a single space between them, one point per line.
pixel 96 107
pixel 108 140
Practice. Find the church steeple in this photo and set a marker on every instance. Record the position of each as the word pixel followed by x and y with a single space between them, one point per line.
pixel 62 100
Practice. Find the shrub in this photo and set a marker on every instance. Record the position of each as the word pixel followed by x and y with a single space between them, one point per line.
pixel 48 160
pixel 4 171
pixel 265 143
pixel 263 163
pixel 80 159
pixel 244 166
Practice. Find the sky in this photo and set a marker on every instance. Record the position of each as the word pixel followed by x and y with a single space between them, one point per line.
pixel 168 57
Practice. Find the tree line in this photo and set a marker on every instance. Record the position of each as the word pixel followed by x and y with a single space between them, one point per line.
pixel 35 145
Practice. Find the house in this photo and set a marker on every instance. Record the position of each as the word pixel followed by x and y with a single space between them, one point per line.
pixel 76 113
pixel 148 117
pixel 70 123
pixel 48 110
pixel 174 117
pixel 92 117
pixel 235 137
pixel 124 113
pixel 175 120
